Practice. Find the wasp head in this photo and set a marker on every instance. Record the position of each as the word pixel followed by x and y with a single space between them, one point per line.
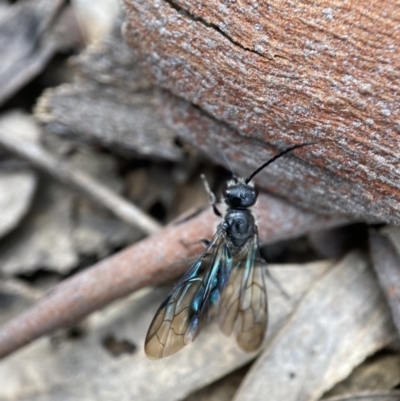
pixel 240 195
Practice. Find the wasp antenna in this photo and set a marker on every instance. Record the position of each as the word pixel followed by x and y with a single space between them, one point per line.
pixel 287 150
pixel 227 164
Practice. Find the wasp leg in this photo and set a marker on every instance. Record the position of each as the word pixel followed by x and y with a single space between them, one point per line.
pixel 213 199
pixel 186 244
pixel 275 281
pixel 277 285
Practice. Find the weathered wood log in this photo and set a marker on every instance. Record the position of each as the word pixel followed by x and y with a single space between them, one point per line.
pixel 109 102
pixel 255 77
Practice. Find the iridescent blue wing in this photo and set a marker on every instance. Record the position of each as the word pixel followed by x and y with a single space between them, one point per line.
pixel 243 308
pixel 177 320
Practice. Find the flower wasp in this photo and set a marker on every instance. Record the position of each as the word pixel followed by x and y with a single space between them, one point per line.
pixel 228 276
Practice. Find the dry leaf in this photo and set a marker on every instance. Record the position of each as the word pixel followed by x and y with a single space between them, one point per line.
pixel 377 374
pixel 386 261
pixel 28 40
pixel 393 233
pixel 368 396
pixel 15 297
pixel 16 193
pixel 342 320
pixel 43 241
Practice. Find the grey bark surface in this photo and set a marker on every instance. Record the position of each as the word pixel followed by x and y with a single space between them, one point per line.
pixel 110 102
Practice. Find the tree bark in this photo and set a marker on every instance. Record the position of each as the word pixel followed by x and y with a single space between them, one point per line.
pixel 255 77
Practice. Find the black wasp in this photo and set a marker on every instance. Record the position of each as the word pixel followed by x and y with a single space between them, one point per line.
pixel 228 275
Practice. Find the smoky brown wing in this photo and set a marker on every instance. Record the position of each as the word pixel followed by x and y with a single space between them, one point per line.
pixel 169 330
pixel 243 308
pixel 252 319
pixel 178 319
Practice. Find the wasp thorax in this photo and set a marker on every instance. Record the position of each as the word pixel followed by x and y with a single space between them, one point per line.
pixel 239 194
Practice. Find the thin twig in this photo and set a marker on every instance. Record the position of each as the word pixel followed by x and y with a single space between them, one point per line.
pixel 67 174
pixel 148 262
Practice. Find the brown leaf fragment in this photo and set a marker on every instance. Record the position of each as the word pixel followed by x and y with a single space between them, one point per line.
pixel 386 262
pixel 342 320
pixel 48 369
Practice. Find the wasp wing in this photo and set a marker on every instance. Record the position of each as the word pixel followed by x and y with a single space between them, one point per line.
pixel 177 320
pixel 243 307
